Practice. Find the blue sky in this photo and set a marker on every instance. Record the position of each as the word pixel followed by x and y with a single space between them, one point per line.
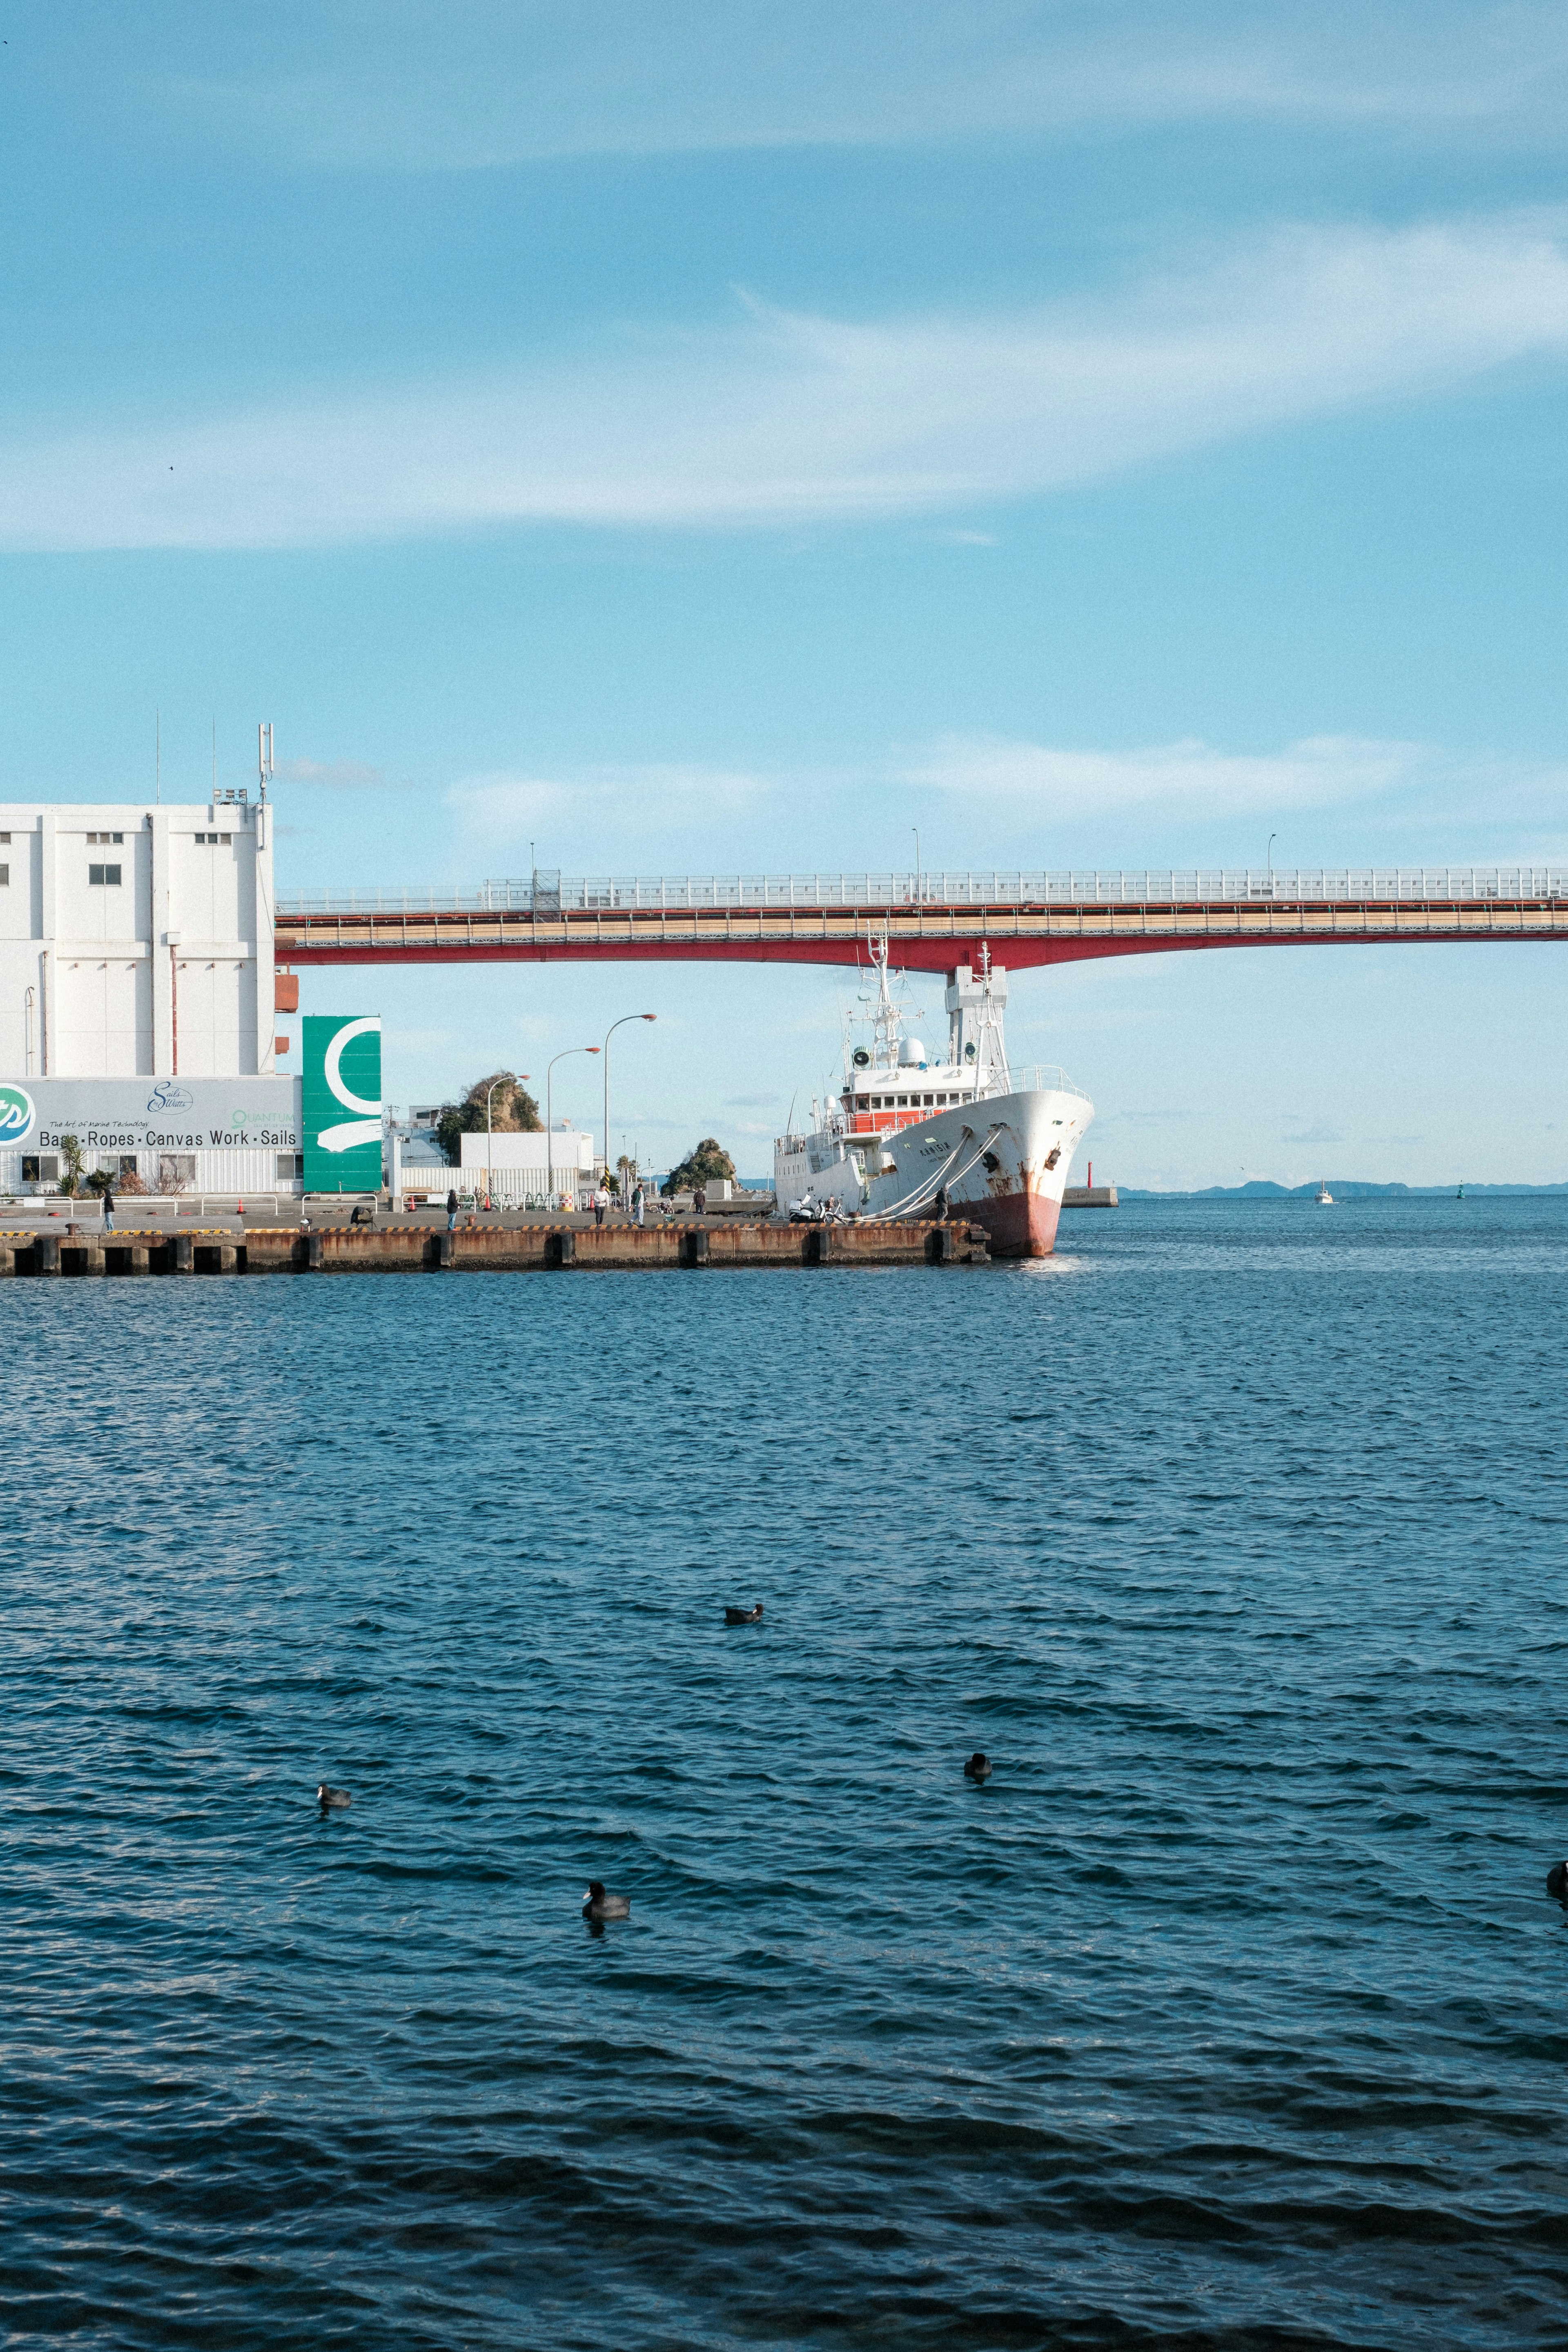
pixel 725 439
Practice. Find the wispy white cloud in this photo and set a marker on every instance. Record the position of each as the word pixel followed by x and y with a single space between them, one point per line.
pixel 604 808
pixel 780 417
pixel 1035 781
pixel 328 772
pixel 398 85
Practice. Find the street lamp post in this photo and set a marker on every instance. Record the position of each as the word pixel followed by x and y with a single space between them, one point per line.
pixel 550 1117
pixel 608 1035
pixel 919 891
pixel 1270 856
pixel 490 1131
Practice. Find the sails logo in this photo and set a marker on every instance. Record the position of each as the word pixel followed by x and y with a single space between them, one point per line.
pixel 168 1095
pixel 17 1114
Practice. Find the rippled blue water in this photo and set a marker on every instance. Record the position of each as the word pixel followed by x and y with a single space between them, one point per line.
pixel 1231 2012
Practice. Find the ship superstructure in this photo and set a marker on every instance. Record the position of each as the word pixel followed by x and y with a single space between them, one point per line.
pixel 913 1133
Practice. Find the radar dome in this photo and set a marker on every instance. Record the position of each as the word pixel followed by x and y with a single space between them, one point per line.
pixel 912 1055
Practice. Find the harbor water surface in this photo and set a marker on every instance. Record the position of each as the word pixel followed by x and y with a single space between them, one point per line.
pixel 1230 2012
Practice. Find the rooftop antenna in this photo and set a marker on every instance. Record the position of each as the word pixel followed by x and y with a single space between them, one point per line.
pixel 264 755
pixel 214 758
pixel 158 757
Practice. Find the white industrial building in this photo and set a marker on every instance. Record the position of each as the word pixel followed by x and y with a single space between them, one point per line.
pixel 515 1168
pixel 137 995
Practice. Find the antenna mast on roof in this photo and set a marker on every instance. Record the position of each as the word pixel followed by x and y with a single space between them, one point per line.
pixel 264 755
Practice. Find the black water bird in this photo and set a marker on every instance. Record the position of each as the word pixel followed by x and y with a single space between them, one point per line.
pixel 1557 1881
pixel 331 1800
pixel 743 1616
pixel 597 1904
pixel 978 1767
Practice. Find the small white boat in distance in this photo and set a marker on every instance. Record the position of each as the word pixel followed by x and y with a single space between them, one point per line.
pixel 1324 1198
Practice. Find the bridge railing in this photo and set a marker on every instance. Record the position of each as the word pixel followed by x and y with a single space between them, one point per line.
pixel 1096 886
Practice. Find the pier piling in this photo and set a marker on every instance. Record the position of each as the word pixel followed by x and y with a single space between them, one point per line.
pixel 498 1249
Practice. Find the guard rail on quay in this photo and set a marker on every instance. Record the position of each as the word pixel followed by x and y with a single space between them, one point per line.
pixel 930 921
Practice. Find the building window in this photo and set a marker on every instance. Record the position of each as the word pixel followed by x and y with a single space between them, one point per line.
pixel 290 1164
pixel 106 876
pixel 5 878
pixel 106 837
pixel 42 1169
pixel 4 837
pixel 213 840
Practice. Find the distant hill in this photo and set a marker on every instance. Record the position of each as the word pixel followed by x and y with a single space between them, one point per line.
pixel 1343 1188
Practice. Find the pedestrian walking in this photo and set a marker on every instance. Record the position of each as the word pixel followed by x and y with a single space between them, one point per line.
pixel 601 1202
pixel 637 1203
pixel 451 1213
pixel 108 1209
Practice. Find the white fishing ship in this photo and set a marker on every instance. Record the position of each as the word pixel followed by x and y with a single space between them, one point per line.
pixel 916 1134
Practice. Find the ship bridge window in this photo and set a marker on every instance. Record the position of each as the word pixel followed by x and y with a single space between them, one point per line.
pixel 903 1102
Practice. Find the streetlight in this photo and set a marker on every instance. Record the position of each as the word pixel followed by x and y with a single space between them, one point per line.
pixel 608 1035
pixel 506 1079
pixel 916 831
pixel 1272 839
pixel 549 1119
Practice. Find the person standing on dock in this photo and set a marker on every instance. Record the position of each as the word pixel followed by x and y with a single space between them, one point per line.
pixel 637 1203
pixel 451 1213
pixel 601 1202
pixel 108 1209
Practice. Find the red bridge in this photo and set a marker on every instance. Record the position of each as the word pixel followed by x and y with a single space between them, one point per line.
pixel 933 921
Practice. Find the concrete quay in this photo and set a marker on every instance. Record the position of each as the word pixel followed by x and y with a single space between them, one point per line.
pixel 407 1248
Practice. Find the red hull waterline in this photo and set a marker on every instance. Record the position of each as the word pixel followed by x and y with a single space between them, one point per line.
pixel 1017 1224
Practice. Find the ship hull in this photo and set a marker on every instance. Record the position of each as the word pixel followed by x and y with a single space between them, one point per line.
pixel 1021 1224
pixel 1001 1161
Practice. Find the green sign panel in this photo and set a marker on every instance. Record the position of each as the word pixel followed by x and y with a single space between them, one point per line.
pixel 342 1102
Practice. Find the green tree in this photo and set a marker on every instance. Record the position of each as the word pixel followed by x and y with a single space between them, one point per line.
pixel 70 1164
pixel 513 1111
pixel 705 1164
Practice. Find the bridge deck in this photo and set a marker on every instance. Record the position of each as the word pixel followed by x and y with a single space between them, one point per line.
pixel 1045 919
